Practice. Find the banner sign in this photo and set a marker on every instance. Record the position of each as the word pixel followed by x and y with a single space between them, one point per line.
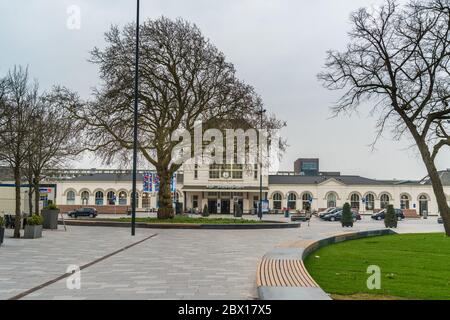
pixel 151 182
pixel 148 182
pixel 173 183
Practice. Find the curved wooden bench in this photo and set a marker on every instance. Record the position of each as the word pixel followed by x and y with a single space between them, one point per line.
pixel 281 274
pixel 284 273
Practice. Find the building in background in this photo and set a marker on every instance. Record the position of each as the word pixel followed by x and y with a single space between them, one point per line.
pixel 306 167
pixel 224 188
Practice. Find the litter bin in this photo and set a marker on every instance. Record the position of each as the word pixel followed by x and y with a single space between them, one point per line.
pixel 50 219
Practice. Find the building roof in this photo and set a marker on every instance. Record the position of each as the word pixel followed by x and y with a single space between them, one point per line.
pixel 299 179
pixel 444 175
pixel 105 177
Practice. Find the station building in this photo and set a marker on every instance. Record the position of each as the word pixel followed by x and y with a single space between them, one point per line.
pixel 224 188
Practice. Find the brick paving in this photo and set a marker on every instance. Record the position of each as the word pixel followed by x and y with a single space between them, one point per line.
pixel 175 264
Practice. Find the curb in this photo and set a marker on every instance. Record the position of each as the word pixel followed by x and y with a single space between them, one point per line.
pixel 280 283
pixel 117 224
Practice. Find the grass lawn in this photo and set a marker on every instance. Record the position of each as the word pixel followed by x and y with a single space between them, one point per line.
pixel 200 220
pixel 413 266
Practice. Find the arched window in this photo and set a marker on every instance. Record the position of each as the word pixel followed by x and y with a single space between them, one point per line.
pixel 404 202
pixel 370 201
pixel 331 200
pixel 277 198
pixel 355 201
pixel 99 198
pixel 146 200
pixel 292 201
pixel 384 201
pixel 70 198
pixel 111 198
pixel 423 205
pixel 123 198
pixel 306 201
pixel 137 199
pixel 85 198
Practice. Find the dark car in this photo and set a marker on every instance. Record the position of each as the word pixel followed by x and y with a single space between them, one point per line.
pixel 380 215
pixel 83 212
pixel 328 211
pixel 337 216
pixel 440 220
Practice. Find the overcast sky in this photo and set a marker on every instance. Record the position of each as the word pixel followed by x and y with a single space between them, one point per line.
pixel 278 46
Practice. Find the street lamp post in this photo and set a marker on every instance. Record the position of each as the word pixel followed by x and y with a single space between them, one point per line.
pixel 135 133
pixel 260 213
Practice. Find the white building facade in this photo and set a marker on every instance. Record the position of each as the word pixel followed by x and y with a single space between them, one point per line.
pixel 222 189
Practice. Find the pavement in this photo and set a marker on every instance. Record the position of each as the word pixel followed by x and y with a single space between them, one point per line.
pixel 168 264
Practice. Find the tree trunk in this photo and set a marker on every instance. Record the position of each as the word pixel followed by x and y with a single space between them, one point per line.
pixel 37 195
pixel 30 197
pixel 18 202
pixel 165 210
pixel 438 188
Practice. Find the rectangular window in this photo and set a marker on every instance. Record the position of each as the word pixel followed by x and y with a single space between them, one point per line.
pixel 214 171
pixel 255 175
pixel 196 172
pixel 195 202
pixel 237 171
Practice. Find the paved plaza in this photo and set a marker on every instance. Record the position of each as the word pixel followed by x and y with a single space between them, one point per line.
pixel 173 264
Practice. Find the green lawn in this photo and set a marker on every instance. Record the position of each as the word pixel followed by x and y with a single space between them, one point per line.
pixel 199 220
pixel 413 266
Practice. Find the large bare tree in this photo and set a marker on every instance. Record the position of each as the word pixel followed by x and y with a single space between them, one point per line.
pixel 398 61
pixel 18 102
pixel 183 79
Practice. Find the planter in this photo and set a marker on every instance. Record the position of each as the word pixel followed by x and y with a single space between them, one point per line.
pixel 347 224
pixel 33 232
pixel 2 234
pixel 392 225
pixel 50 219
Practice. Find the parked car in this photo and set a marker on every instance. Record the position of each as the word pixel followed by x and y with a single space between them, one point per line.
pixel 440 220
pixel 83 212
pixel 329 211
pixel 337 216
pixel 381 214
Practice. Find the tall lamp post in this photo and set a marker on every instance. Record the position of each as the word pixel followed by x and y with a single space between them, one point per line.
pixel 135 133
pixel 260 213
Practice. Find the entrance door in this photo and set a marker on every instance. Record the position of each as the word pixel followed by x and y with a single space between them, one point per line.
pixel 423 207
pixel 225 207
pixel 212 206
pixel 240 204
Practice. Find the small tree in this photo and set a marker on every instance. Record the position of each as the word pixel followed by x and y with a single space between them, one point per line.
pixel 205 212
pixel 347 216
pixel 18 101
pixel 390 218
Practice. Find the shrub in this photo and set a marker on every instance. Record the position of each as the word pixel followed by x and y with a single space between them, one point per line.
pixel 51 206
pixel 390 218
pixel 347 216
pixel 35 220
pixel 205 212
pixel 2 222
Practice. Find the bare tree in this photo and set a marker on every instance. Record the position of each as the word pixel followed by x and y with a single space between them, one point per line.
pixel 54 139
pixel 183 79
pixel 18 104
pixel 398 60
